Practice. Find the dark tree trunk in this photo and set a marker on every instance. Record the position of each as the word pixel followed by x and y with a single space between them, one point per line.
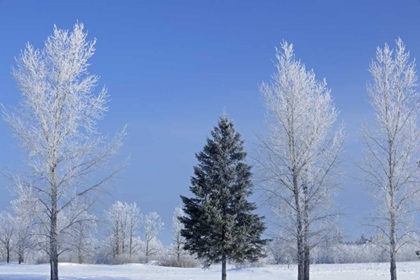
pixel 306 247
pixel 306 264
pixel 392 238
pixel 393 267
pixel 80 254
pixel 147 251
pixel 393 253
pixel 178 254
pixel 54 269
pixel 53 248
pixel 53 229
pixel 301 259
pixel 7 254
pixel 20 257
pixel 131 244
pixel 224 267
pixel 299 230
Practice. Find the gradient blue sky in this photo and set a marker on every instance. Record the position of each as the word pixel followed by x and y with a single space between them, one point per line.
pixel 171 67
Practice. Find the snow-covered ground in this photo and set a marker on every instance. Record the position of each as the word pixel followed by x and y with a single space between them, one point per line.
pixel 374 271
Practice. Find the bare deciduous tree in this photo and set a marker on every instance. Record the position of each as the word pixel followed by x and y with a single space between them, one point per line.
pixel 177 238
pixel 7 229
pixel 134 221
pixel 299 158
pixel 117 227
pixel 391 147
pixel 79 237
pixel 56 124
pixel 152 227
pixel 124 224
pixel 25 208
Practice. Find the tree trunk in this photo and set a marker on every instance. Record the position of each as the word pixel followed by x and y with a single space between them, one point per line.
pixel 54 269
pixel 306 248
pixel 393 267
pixel 53 229
pixel 392 251
pixel 392 211
pixel 299 230
pixel 131 244
pixel 53 248
pixel 20 257
pixel 80 254
pixel 301 258
pixel 147 251
pixel 7 254
pixel 178 254
pixel 307 264
pixel 224 266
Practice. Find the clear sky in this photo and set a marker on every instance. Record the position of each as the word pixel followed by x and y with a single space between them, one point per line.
pixel 171 67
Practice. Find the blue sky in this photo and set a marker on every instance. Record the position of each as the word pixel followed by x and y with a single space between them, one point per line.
pixel 171 67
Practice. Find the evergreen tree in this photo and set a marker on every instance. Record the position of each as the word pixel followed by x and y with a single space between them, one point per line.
pixel 219 225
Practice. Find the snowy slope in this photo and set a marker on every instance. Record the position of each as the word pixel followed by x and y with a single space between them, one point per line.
pixel 406 271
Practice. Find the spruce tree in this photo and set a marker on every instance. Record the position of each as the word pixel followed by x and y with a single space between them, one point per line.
pixel 219 223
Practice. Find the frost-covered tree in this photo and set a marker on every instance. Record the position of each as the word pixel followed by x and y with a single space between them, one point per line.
pixel 298 159
pixel 134 222
pixel 80 236
pixel 124 223
pixel 177 238
pixel 116 218
pixel 25 208
pixel 152 226
pixel 219 223
pixel 282 251
pixel 7 230
pixel 56 125
pixel 391 147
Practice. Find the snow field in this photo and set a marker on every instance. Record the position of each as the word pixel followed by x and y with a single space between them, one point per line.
pixel 68 271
